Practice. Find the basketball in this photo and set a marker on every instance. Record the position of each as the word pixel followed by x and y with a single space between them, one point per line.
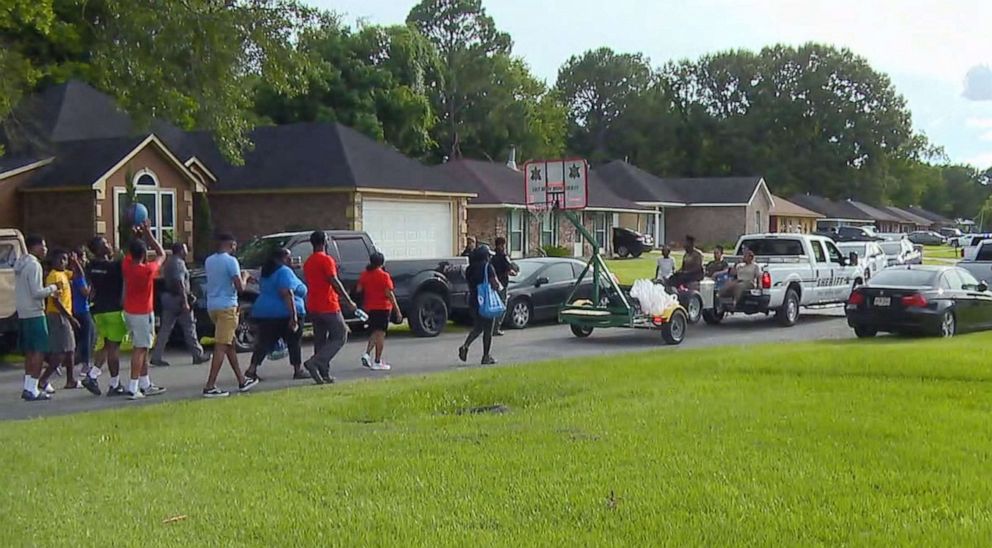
pixel 137 214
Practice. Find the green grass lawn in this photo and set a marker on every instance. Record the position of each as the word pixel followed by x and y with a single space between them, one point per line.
pixel 940 252
pixel 878 443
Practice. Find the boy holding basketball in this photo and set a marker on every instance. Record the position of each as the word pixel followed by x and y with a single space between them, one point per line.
pixel 139 313
pixel 376 287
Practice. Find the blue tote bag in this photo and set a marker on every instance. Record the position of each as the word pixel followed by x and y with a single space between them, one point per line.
pixel 490 305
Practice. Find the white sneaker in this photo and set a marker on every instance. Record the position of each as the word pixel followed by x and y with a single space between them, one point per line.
pixel 367 360
pixel 380 366
pixel 135 395
pixel 49 389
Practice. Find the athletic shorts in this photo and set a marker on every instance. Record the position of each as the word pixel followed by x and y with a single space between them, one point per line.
pixel 142 329
pixel 61 336
pixel 32 334
pixel 379 320
pixel 225 323
pixel 110 326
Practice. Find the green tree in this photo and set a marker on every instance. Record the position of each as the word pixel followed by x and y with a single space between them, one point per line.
pixel 597 88
pixel 191 62
pixel 375 80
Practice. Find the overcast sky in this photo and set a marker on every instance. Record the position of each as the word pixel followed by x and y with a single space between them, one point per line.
pixel 938 53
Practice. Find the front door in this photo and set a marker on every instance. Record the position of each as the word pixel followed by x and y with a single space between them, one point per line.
pixel 822 271
pixel 838 288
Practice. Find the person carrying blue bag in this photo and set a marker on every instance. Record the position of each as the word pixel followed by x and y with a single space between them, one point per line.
pixel 484 303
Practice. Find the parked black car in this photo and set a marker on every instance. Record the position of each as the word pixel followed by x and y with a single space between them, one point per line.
pixel 429 291
pixel 541 286
pixel 920 300
pixel 926 237
pixel 853 234
pixel 630 243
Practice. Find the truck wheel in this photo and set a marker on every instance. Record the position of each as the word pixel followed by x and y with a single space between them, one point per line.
pixel 712 317
pixel 673 331
pixel 244 334
pixel 580 331
pixel 865 332
pixel 623 251
pixel 788 315
pixel 429 315
pixel 694 308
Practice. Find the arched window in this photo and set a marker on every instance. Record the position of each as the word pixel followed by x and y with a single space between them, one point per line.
pixel 160 202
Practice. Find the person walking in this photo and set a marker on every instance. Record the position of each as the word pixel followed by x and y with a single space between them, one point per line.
pixel 379 301
pixel 504 268
pixel 139 275
pixel 106 280
pixel 62 324
pixel 324 294
pixel 479 269
pixel 278 313
pixel 225 281
pixel 85 338
pixel 177 307
pixel 29 299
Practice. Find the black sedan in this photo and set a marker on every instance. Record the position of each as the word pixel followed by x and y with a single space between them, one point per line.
pixel 920 300
pixel 540 287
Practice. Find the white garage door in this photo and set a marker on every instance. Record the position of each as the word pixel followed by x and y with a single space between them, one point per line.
pixel 409 229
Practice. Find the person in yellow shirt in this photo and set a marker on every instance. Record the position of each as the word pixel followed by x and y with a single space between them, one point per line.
pixel 61 323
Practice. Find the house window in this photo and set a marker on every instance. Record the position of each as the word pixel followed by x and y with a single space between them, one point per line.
pixel 160 203
pixel 757 220
pixel 549 232
pixel 599 228
pixel 517 240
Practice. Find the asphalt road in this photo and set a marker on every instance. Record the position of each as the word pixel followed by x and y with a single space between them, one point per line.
pixel 410 355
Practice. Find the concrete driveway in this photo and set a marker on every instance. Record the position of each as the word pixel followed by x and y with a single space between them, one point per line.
pixel 410 355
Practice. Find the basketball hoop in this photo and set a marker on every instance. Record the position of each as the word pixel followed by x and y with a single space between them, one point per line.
pixel 551 185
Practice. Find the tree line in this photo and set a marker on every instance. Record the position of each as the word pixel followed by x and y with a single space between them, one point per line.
pixel 447 84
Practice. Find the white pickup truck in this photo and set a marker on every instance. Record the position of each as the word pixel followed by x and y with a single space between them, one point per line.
pixel 798 270
pixel 11 248
pixel 979 264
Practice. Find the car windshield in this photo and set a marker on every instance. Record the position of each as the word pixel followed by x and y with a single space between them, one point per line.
pixel 526 270
pixel 891 248
pixel 254 253
pixel 771 247
pixel 857 248
pixel 905 277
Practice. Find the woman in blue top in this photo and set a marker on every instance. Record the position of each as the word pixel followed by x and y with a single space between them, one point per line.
pixel 278 312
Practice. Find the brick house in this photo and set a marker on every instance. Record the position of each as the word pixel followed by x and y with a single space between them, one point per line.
pixel 885 221
pixel 71 148
pixel 500 210
pixel 713 209
pixel 836 213
pixel 786 216
pixel 69 151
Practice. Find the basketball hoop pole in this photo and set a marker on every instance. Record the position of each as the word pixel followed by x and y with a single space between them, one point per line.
pixel 597 264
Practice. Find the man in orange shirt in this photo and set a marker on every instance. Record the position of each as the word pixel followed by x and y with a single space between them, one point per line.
pixel 330 333
pixel 139 311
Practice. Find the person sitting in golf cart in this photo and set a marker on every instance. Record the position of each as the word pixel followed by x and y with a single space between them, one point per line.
pixel 718 265
pixel 692 266
pixel 745 276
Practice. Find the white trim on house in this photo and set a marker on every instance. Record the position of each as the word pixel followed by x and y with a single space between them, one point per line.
pixel 432 193
pixel 193 160
pixel 26 168
pixel 619 210
pixel 157 227
pixel 496 206
pixel 101 181
pixel 661 204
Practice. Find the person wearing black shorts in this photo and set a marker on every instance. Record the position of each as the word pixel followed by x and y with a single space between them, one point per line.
pixel 379 301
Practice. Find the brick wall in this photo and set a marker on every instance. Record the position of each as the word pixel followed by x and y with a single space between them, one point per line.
pixel 10 199
pixel 486 224
pixel 64 218
pixel 710 225
pixel 249 215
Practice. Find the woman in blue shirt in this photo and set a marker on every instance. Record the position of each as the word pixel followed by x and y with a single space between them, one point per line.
pixel 278 313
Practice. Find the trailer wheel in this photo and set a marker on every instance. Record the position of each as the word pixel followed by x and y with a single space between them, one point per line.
pixel 712 316
pixel 673 331
pixel 580 331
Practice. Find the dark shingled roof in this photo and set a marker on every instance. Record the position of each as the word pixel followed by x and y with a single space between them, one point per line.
pixel 877 214
pixel 908 217
pixel 495 184
pixel 10 163
pixel 635 184
pixel 934 218
pixel 312 156
pixel 829 208
pixel 715 190
pixel 81 163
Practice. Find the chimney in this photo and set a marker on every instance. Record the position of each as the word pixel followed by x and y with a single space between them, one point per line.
pixel 512 161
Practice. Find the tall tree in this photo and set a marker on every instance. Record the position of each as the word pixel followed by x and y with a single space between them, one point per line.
pixel 375 80
pixel 597 87
pixel 191 62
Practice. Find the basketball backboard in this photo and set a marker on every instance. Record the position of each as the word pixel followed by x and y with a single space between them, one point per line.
pixel 556 184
